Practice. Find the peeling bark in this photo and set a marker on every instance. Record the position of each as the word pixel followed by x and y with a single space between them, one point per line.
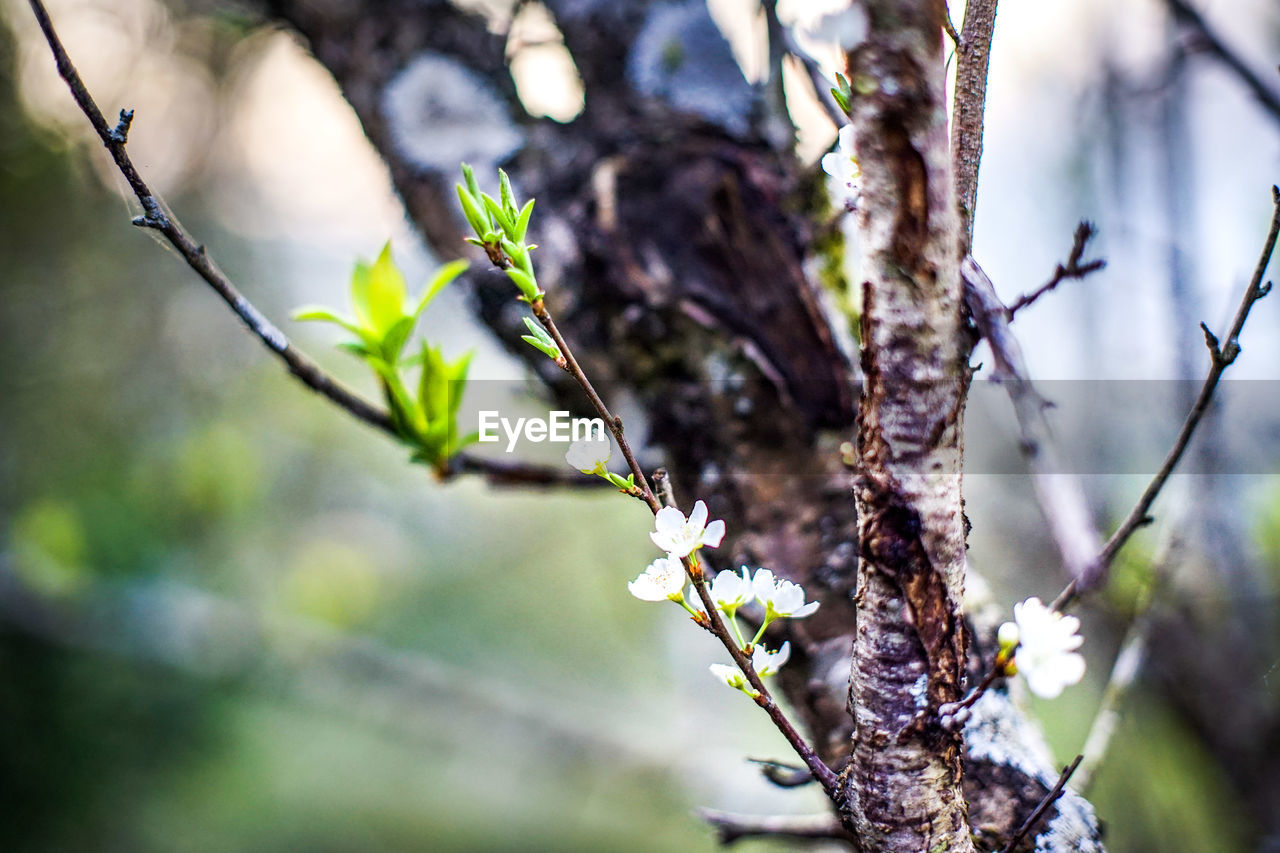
pixel 904 781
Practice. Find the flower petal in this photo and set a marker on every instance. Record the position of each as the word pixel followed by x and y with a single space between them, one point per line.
pixel 714 533
pixel 698 518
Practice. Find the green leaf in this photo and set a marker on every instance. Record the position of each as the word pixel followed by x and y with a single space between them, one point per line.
pixel 446 274
pixel 505 194
pixel 469 175
pixel 360 279
pixel 540 340
pixel 474 212
pixel 324 315
pixel 403 412
pixel 394 340
pixel 387 292
pixel 522 222
pixel 458 384
pixel 356 349
pixel 519 255
pixel 549 352
pixel 433 387
pixel 528 287
pixel 842 93
pixel 499 215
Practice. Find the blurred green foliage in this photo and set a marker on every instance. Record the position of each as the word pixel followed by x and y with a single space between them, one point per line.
pixel 207 562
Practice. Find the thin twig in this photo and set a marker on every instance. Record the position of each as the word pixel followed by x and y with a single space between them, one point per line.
pixel 731 828
pixel 1129 660
pixel 1049 799
pixel 499 472
pixel 301 366
pixel 973 58
pixel 193 253
pixel 1073 269
pixel 1188 16
pixel 710 619
pixel 1221 356
pixel 662 482
pixel 1059 494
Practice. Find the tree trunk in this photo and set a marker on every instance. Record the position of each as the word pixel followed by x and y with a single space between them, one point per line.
pixel 904 780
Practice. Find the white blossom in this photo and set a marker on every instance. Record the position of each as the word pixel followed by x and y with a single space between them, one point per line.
pixel 1047 641
pixel 589 455
pixel 843 166
pixel 767 663
pixel 732 676
pixel 780 597
pixel 663 580
pixel 680 536
pixel 731 591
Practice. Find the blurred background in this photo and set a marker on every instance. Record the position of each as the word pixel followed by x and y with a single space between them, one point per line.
pixel 233 618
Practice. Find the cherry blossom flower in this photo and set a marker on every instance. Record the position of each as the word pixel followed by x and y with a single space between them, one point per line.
pixel 1046 647
pixel 733 677
pixel 731 591
pixel 780 598
pixel 763 661
pixel 680 536
pixel 766 663
pixel 842 165
pixel 589 455
pixel 663 580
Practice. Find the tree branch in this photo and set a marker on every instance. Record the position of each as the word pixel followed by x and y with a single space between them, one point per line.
pixel 1186 15
pixel 1049 799
pixel 1073 269
pixel 157 218
pixel 732 828
pixel 973 58
pixel 1221 356
pixel 1060 495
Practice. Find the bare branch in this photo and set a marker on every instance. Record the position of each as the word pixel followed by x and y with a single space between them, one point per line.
pixel 157 218
pixel 1059 494
pixel 498 472
pixel 1049 799
pixel 1221 357
pixel 1129 660
pixel 1073 269
pixel 973 57
pixel 731 828
pixel 1184 14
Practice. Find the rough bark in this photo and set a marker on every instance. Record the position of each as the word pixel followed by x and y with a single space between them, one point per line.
pixel 909 654
pixel 674 252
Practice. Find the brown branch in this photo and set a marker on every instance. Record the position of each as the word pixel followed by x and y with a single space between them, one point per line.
pixel 711 616
pixel 156 218
pixel 1186 15
pixel 1221 356
pixel 973 58
pixel 732 828
pixel 1059 494
pixel 1049 799
pixel 1073 269
pixel 499 472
